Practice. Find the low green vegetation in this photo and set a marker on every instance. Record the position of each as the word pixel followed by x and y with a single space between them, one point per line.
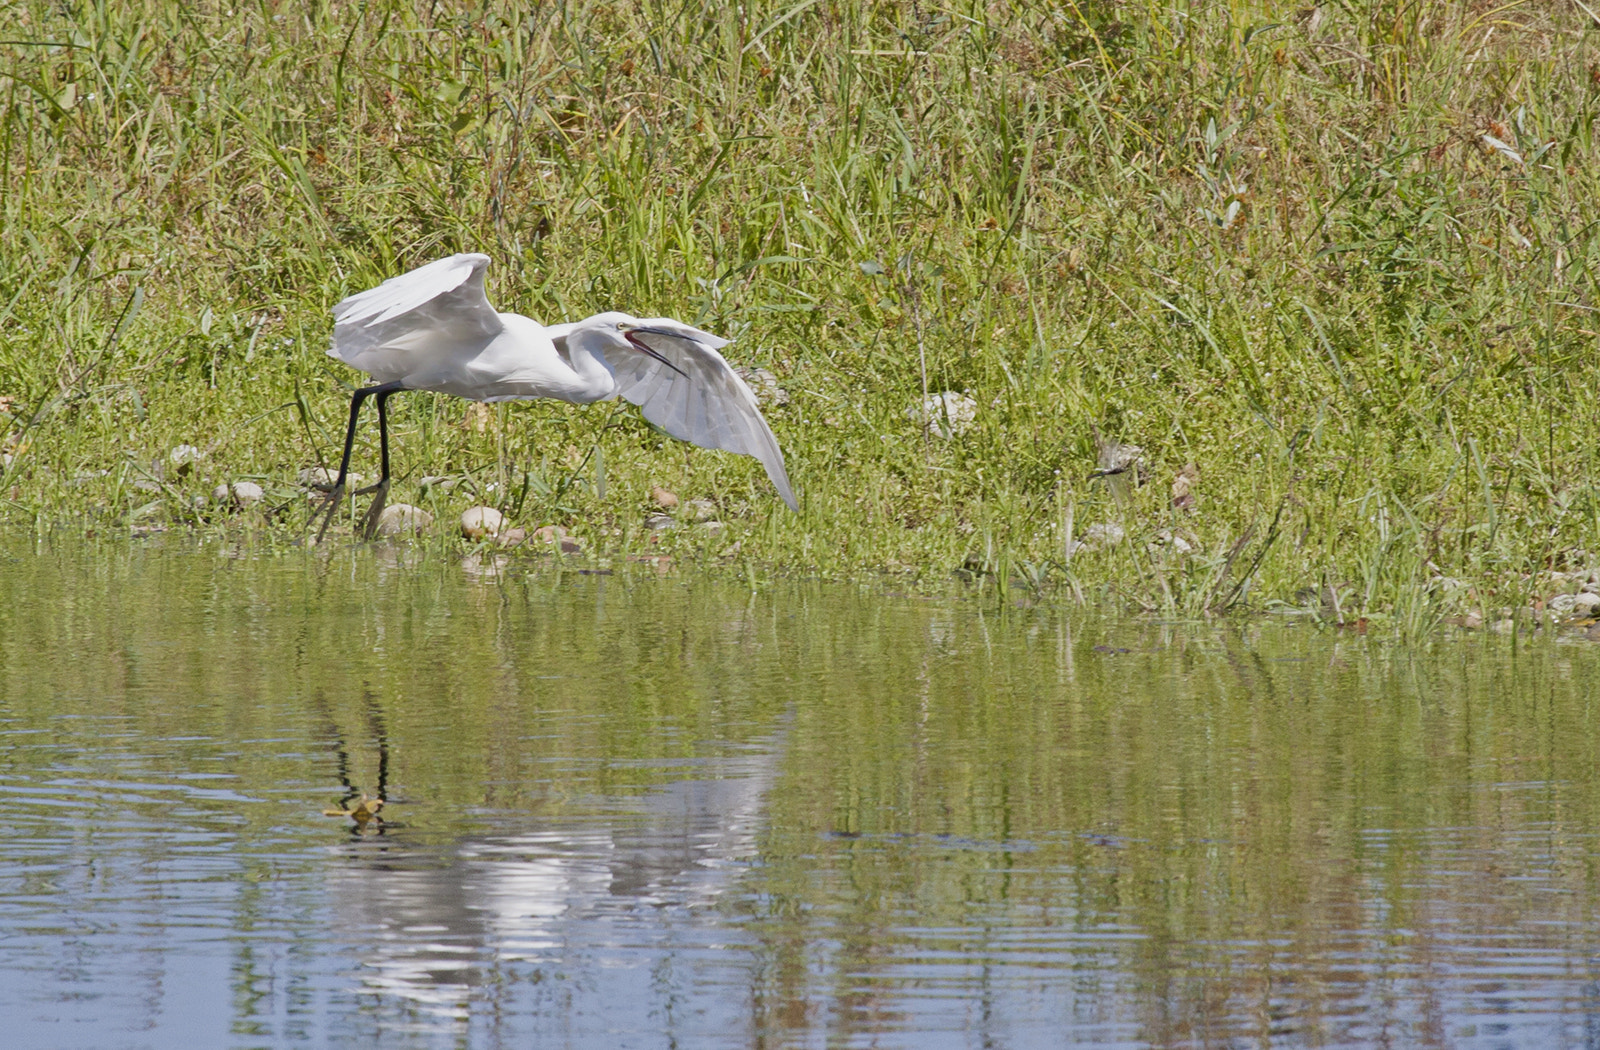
pixel 1335 266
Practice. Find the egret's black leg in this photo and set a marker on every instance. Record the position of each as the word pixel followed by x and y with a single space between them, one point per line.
pixel 336 492
pixel 381 489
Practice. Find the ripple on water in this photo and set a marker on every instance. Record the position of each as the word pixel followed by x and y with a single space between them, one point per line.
pixel 639 813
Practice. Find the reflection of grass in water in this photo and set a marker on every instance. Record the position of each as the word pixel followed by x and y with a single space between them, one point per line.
pixel 1218 815
pixel 1231 818
pixel 1278 249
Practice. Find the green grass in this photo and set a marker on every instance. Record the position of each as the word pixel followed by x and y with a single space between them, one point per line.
pixel 1274 244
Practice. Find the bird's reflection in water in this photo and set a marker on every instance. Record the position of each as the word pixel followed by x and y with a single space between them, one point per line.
pixel 592 908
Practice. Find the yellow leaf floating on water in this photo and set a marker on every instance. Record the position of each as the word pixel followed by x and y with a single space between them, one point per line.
pixel 361 812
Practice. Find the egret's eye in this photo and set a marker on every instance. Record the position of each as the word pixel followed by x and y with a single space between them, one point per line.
pixel 622 326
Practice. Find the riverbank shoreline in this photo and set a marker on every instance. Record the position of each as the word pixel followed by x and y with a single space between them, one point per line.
pixel 1197 310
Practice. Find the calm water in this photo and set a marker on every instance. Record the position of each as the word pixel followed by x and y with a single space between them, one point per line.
pixel 647 813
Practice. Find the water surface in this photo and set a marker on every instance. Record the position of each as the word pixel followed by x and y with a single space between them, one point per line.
pixel 628 812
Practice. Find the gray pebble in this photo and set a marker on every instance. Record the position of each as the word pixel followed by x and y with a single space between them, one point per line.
pixel 398 518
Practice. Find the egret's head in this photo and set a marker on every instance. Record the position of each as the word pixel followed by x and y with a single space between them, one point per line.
pixel 621 331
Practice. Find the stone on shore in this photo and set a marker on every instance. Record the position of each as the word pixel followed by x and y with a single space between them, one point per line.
pixel 401 518
pixel 478 522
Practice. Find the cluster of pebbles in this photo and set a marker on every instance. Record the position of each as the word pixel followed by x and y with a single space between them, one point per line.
pixel 479 524
pixel 673 512
pixel 1581 604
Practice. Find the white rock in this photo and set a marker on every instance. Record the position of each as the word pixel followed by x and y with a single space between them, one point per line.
pixel 699 510
pixel 240 494
pixel 478 522
pixel 1103 534
pixel 323 478
pixel 398 518
pixel 1582 605
pixel 660 522
pixel 944 415
pixel 1175 540
pixel 713 529
pixel 184 457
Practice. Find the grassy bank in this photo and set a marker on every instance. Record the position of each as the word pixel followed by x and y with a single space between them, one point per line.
pixel 1340 260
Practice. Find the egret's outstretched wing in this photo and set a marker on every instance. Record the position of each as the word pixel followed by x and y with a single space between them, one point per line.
pixel 411 322
pixel 703 401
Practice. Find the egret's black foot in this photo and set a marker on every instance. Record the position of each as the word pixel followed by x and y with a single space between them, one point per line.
pixel 380 497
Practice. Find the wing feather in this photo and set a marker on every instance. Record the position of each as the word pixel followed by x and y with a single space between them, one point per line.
pixel 649 387
pixel 438 311
pixel 707 404
pixel 691 417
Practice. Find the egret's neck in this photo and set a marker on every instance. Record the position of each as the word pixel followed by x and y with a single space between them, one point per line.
pixel 589 361
pixel 529 360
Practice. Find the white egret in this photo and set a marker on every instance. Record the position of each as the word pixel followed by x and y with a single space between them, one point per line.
pixel 433 329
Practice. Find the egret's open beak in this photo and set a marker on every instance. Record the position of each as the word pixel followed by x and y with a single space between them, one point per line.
pixel 631 335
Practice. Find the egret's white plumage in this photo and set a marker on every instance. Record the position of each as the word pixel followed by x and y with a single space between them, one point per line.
pixel 685 387
pixel 433 329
